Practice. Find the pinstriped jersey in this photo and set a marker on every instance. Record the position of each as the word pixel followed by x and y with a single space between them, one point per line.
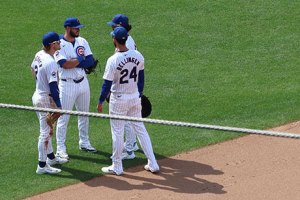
pixel 130 44
pixel 45 69
pixel 122 69
pixel 68 51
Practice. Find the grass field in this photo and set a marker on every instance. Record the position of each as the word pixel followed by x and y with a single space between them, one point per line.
pixel 231 63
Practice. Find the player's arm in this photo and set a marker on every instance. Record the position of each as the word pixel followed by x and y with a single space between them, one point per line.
pixel 80 62
pixel 69 64
pixel 106 86
pixel 141 82
pixel 87 62
pixel 33 73
pixel 55 93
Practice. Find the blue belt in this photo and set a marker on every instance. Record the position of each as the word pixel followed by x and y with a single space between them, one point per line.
pixel 75 81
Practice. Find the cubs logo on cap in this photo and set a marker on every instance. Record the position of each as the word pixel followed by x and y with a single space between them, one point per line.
pixel 73 22
pixel 119 19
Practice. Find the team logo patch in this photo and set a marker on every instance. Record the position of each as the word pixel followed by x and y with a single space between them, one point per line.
pixel 80 51
pixel 53 74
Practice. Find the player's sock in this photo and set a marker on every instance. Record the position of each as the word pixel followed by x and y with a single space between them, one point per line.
pixel 51 156
pixel 42 164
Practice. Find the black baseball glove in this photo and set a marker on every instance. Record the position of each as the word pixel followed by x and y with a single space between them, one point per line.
pixel 107 98
pixel 146 106
pixel 91 69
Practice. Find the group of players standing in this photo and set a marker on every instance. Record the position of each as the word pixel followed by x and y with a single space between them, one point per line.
pixel 61 83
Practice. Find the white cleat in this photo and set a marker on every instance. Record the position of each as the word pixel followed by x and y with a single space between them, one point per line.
pixel 47 170
pixel 155 170
pixel 62 154
pixel 110 170
pixel 128 155
pixel 56 160
pixel 88 148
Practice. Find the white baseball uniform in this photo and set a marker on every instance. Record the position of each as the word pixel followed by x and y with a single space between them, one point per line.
pixel 130 136
pixel 122 69
pixel 74 89
pixel 46 69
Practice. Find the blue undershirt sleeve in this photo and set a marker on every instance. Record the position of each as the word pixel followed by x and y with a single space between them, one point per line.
pixel 61 62
pixel 87 62
pixel 55 93
pixel 140 82
pixel 105 90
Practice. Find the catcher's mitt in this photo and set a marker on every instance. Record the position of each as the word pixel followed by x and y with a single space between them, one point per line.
pixel 146 106
pixel 51 119
pixel 91 69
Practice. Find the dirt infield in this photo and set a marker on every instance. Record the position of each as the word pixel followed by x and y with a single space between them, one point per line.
pixel 250 167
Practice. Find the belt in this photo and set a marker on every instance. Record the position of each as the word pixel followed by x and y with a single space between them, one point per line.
pixel 75 81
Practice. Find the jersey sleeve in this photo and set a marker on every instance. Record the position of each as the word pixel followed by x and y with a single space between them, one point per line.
pixel 109 70
pixel 60 55
pixel 142 62
pixel 87 49
pixel 130 44
pixel 52 70
pixel 33 64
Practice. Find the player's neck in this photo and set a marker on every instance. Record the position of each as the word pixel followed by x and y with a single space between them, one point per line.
pixel 69 38
pixel 121 48
pixel 50 51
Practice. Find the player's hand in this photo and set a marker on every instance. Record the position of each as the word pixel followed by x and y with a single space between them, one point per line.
pixel 99 108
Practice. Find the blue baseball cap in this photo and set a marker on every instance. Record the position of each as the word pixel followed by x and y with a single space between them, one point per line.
pixel 73 22
pixel 119 19
pixel 119 33
pixel 50 37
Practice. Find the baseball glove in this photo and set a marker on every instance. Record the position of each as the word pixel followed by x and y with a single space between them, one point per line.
pixel 146 106
pixel 91 69
pixel 107 98
pixel 51 119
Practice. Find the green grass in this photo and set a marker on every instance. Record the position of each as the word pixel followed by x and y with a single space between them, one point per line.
pixel 231 63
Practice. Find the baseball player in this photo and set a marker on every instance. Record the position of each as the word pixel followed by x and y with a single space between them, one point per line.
pixel 75 55
pixel 124 79
pixel 130 144
pixel 45 70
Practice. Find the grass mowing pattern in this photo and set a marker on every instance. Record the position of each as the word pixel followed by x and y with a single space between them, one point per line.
pixel 230 63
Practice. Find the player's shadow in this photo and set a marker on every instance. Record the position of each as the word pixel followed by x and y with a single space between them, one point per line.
pixel 75 174
pixel 79 174
pixel 176 175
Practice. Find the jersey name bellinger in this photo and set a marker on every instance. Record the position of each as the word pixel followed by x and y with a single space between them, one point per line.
pixel 127 60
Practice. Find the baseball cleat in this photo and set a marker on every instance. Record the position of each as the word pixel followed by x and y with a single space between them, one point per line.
pixel 110 170
pixel 47 170
pixel 88 148
pixel 56 160
pixel 147 168
pixel 62 154
pixel 128 155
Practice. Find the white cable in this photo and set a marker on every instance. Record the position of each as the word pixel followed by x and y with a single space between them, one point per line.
pixel 154 121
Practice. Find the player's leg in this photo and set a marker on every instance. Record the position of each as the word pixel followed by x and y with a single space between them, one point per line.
pixel 44 142
pixel 117 129
pixel 130 138
pixel 83 104
pixel 67 97
pixel 143 136
pixel 130 142
pixel 116 107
